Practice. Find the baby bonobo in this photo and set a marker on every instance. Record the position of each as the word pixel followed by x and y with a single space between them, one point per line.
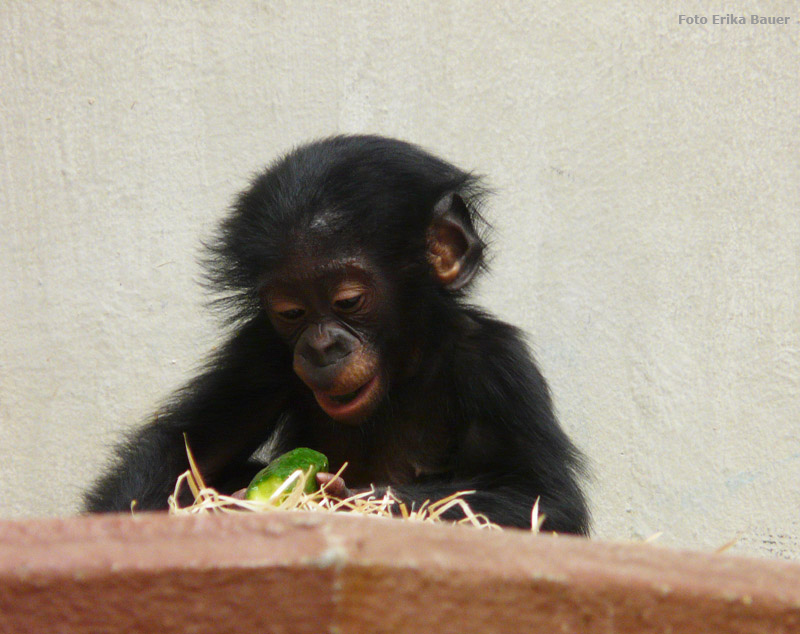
pixel 344 269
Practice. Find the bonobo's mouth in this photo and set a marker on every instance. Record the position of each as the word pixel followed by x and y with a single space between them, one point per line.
pixel 346 398
pixel 352 406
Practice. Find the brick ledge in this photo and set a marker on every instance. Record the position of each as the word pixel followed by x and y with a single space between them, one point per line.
pixel 303 572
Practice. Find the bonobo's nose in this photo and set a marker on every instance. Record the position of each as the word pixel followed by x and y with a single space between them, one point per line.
pixel 326 346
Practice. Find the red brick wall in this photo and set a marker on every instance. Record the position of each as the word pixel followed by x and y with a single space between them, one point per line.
pixel 288 572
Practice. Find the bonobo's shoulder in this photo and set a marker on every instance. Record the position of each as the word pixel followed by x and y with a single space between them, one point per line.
pixel 483 333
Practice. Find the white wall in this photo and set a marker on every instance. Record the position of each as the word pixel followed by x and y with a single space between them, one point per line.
pixel 647 215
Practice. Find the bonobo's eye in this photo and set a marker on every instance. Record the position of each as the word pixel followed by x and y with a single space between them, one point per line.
pixel 349 304
pixel 292 315
pixel 349 299
pixel 287 311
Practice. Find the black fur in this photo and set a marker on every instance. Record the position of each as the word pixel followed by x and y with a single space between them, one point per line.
pixel 474 414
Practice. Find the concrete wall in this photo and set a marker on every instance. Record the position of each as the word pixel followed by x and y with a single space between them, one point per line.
pixel 647 221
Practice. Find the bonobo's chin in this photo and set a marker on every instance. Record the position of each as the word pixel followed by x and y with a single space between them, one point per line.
pixel 352 407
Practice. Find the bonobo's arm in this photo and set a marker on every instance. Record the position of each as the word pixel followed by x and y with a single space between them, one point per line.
pixel 510 449
pixel 506 477
pixel 507 500
pixel 226 413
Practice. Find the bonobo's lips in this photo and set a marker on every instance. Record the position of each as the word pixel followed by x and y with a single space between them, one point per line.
pixel 352 405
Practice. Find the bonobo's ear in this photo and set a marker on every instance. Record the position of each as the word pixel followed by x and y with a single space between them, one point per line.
pixel 453 246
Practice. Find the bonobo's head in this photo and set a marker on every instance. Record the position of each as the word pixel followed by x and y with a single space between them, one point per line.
pixel 354 247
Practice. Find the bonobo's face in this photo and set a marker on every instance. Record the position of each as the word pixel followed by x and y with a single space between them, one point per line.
pixel 329 312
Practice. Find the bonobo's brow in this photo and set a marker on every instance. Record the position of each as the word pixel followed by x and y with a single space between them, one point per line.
pixel 310 271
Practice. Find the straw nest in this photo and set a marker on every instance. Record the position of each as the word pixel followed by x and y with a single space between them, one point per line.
pixel 367 503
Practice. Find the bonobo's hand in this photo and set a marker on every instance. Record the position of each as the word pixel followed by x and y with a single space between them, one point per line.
pixel 334 485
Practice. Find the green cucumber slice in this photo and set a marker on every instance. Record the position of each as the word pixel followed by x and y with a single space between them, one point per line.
pixel 267 481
